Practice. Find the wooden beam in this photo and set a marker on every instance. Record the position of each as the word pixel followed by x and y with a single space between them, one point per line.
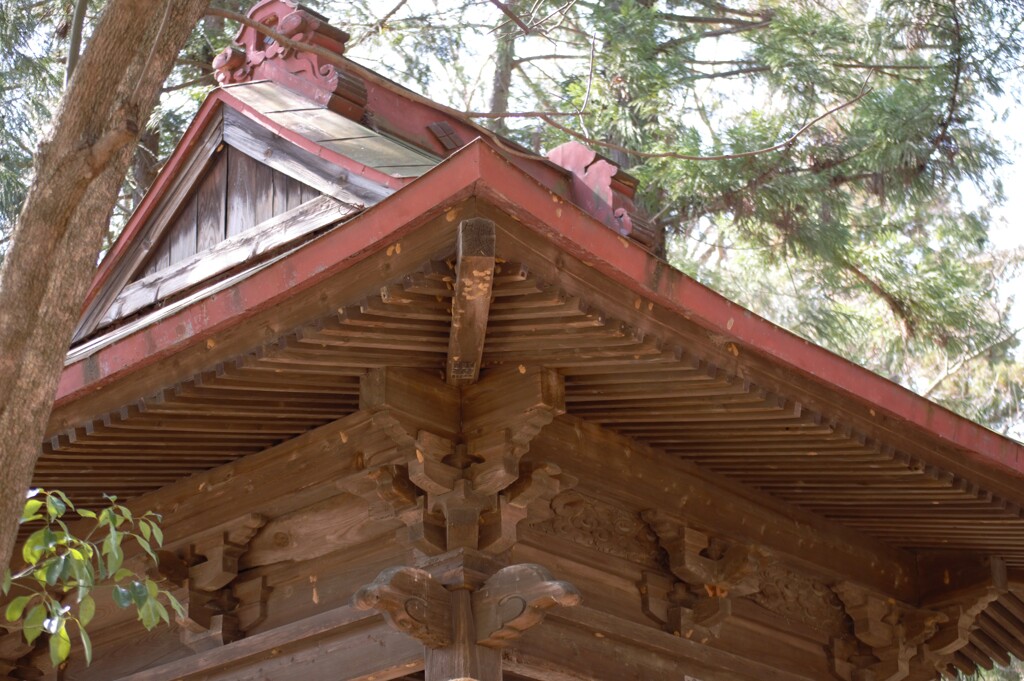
pixel 581 643
pixel 340 644
pixel 602 459
pixel 474 277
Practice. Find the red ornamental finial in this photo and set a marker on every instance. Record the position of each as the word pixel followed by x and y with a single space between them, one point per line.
pixel 257 56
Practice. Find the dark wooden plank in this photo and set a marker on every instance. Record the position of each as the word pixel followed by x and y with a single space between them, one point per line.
pixel 343 643
pixel 183 234
pixel 211 206
pixel 582 643
pixel 720 505
pixel 226 254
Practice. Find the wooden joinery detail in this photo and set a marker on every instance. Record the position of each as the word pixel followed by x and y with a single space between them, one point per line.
pixel 220 550
pixel 514 599
pixel 413 602
pixel 886 636
pixel 711 574
pixel 500 417
pixel 474 281
pixel 218 608
pixel 463 628
pixel 893 641
pixel 451 494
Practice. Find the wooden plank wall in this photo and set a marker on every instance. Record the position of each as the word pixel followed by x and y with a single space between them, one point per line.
pixel 236 193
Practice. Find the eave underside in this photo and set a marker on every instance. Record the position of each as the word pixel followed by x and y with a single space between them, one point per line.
pixel 649 397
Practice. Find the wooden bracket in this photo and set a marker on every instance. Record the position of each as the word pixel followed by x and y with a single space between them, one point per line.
pixel 500 417
pixel 413 602
pixel 711 574
pixel 464 629
pixel 220 550
pixel 514 599
pixel 451 495
pixel 893 640
pixel 217 610
pixel 886 635
pixel 471 301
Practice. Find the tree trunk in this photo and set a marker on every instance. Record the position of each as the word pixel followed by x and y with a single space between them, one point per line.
pixel 78 170
pixel 504 62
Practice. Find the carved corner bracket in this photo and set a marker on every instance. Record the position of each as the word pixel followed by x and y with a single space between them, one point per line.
pixel 709 574
pixel 451 470
pixel 893 641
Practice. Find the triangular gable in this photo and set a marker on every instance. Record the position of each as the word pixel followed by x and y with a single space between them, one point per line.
pixel 236 176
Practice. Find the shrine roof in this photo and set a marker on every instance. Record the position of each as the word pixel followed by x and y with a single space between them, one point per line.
pixel 351 270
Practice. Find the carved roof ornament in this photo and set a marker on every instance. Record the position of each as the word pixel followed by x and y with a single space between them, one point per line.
pixel 256 56
pixel 592 179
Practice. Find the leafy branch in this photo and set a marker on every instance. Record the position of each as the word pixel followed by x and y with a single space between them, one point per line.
pixel 62 570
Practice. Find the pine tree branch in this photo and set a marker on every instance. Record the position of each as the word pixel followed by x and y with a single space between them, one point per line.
pixel 378 25
pixel 964 361
pixel 695 19
pixel 507 11
pixel 899 307
pixel 75 38
pixel 785 144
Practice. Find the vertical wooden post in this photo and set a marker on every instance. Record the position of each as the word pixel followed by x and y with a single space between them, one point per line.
pixel 463 660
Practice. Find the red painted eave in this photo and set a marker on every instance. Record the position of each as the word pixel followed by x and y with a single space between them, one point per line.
pixel 481 170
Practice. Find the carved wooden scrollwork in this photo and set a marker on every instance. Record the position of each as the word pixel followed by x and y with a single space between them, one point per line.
pixel 514 599
pixel 413 602
pixel 255 57
pixel 602 527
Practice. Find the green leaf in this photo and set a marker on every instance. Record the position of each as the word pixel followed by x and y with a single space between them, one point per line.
pixel 175 603
pixel 85 513
pixel 34 547
pixel 33 624
pixel 64 498
pixel 122 597
pixel 86 611
pixel 55 507
pixel 145 529
pixel 54 570
pixel 123 573
pixel 16 607
pixel 6 586
pixel 158 534
pixel 140 593
pixel 31 510
pixel 60 645
pixel 86 643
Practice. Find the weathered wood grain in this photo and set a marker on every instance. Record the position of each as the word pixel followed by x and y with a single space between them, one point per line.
pixel 339 645
pixel 474 280
pixel 211 203
pixel 272 234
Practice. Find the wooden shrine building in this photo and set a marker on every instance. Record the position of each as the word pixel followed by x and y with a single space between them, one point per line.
pixel 417 403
